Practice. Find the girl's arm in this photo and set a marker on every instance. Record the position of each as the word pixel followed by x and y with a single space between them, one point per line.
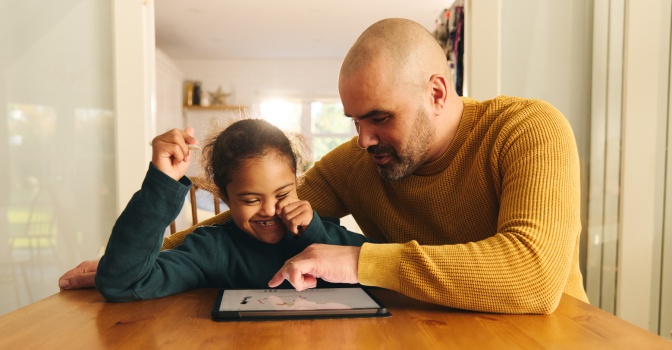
pixel 329 231
pixel 132 267
pixel 300 219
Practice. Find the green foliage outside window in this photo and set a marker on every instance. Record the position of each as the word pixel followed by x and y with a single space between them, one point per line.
pixel 323 145
pixel 328 118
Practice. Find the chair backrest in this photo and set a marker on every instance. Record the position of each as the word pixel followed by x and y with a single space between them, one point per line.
pixel 192 193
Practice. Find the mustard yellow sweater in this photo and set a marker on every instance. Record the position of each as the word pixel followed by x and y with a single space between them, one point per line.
pixel 492 225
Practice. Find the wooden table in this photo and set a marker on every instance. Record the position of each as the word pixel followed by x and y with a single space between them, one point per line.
pixel 82 319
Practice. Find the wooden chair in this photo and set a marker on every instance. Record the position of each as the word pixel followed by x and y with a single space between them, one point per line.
pixel 192 192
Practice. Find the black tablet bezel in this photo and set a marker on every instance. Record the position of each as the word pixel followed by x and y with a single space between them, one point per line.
pixel 234 316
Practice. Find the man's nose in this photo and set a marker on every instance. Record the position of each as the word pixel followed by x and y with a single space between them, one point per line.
pixel 367 137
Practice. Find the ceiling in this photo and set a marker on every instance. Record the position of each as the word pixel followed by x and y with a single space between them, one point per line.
pixel 271 29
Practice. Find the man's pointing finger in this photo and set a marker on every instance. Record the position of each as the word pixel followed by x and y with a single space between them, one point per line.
pixel 277 279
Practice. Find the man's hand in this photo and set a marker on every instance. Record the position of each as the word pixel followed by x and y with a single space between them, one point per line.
pixel 82 276
pixel 295 214
pixel 170 153
pixel 332 263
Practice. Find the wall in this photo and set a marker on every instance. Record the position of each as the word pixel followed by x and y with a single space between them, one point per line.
pixel 247 81
pixel 645 116
pixel 169 80
pixel 247 78
pixel 57 142
pixel 547 54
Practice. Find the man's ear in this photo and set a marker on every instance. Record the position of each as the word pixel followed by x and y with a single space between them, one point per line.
pixel 438 92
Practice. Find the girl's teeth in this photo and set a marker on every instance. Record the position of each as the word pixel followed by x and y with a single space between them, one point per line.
pixel 267 223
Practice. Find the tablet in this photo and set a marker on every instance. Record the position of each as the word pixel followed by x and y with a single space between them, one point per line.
pixel 288 304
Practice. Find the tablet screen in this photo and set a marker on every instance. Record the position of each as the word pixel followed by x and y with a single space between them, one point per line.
pixel 290 299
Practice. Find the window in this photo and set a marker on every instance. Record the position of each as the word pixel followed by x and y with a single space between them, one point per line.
pixel 320 119
pixel 329 127
pixel 282 113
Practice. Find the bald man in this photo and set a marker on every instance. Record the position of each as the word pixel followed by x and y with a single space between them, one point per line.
pixel 478 201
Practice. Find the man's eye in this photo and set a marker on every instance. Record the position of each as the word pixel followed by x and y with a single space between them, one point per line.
pixel 252 201
pixel 283 195
pixel 380 120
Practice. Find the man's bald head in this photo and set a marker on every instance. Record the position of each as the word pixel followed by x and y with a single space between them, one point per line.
pixel 402 50
pixel 394 84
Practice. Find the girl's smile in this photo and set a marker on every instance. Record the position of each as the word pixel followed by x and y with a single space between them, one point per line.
pixel 269 223
pixel 256 188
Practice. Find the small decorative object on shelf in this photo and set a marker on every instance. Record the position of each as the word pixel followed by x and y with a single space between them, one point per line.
pixel 189 93
pixel 197 93
pixel 198 99
pixel 218 97
pixel 205 98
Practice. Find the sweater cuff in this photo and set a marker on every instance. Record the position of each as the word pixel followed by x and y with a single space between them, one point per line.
pixel 154 174
pixel 313 233
pixel 380 265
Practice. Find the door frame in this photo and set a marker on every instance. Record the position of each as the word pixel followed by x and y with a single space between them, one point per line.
pixel 134 93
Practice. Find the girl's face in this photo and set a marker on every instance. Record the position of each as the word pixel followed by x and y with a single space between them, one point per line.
pixel 256 188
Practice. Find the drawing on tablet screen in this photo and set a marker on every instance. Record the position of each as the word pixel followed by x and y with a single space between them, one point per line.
pixel 283 300
pixel 299 302
pixel 290 299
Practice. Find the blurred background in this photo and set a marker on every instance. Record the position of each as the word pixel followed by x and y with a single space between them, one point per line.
pixel 85 84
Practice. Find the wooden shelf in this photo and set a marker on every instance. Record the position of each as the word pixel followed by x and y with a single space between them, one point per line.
pixel 216 107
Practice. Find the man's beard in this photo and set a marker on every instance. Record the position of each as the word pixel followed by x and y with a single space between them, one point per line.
pixel 403 166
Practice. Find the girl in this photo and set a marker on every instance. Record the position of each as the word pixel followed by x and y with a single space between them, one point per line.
pixel 253 166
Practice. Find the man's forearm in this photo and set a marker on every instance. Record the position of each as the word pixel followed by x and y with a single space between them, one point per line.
pixel 500 274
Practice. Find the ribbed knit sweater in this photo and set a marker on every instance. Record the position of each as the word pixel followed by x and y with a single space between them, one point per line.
pixel 492 225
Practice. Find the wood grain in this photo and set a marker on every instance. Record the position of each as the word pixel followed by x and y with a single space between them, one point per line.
pixel 82 319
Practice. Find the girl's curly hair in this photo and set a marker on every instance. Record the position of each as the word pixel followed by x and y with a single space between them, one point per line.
pixel 225 151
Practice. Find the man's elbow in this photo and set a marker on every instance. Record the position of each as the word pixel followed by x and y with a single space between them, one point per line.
pixel 543 308
pixel 525 299
pixel 539 300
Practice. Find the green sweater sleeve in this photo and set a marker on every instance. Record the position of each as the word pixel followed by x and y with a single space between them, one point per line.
pixel 329 231
pixel 133 268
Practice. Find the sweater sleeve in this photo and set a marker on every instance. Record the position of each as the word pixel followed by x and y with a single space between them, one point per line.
pixel 325 196
pixel 325 184
pixel 132 267
pixel 524 267
pixel 329 231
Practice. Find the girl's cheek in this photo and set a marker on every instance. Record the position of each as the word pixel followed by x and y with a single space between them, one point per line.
pixel 249 212
pixel 238 215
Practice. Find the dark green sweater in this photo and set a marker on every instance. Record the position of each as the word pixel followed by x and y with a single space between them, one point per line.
pixel 219 256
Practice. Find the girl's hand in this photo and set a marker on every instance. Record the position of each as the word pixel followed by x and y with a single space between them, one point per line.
pixel 295 214
pixel 170 153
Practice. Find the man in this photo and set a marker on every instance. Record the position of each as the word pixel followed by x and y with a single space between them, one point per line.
pixel 479 201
